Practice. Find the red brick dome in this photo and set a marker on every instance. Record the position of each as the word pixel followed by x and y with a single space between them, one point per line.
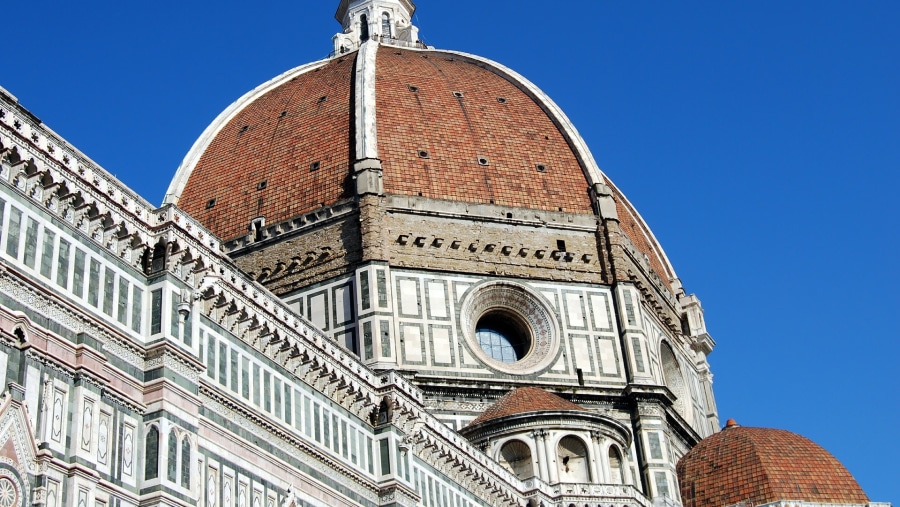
pixel 441 124
pixel 760 465
pixel 448 127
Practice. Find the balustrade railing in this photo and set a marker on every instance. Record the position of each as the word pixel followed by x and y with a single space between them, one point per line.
pixel 390 41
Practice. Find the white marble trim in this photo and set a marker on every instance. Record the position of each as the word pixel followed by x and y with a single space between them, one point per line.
pixel 366 124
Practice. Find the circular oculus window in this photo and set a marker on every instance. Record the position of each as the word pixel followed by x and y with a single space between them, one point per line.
pixel 509 328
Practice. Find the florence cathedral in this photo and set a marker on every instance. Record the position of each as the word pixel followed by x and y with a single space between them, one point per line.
pixel 393 277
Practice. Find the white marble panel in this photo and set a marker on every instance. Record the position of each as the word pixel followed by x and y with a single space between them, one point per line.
pixel 412 339
pixel 437 300
pixel 600 311
pixel 581 349
pixel 574 310
pixel 317 308
pixel 342 302
pixel 607 356
pixel 440 338
pixel 409 297
pixel 32 390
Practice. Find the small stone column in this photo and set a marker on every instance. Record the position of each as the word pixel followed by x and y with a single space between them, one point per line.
pixel 543 470
pixel 599 468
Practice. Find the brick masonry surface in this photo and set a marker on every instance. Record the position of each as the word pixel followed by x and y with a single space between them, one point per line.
pixel 457 111
pixel 760 465
pixel 276 139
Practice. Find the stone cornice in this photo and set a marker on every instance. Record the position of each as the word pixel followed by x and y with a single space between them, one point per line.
pixel 584 420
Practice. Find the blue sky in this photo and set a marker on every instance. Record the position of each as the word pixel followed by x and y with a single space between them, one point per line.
pixel 758 139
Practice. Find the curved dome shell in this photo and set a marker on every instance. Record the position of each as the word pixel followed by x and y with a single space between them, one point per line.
pixel 760 465
pixel 526 400
pixel 443 124
pixel 484 136
pixel 257 159
pixel 445 127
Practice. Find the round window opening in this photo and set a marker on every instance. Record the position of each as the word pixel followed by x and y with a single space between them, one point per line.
pixel 509 328
pixel 503 336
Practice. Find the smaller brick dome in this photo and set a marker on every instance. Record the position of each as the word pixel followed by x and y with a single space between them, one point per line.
pixel 526 400
pixel 760 465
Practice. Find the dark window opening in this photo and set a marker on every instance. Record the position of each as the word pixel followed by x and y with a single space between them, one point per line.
pixel 256 227
pixel 503 336
pixel 386 25
pixel 262 185
pixel 314 166
pixel 541 168
pixel 210 203
pixel 151 454
pixel 363 28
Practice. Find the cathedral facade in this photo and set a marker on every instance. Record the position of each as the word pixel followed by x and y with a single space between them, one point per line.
pixel 396 276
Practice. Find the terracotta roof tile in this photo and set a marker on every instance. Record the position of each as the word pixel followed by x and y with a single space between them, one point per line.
pixel 524 400
pixel 760 465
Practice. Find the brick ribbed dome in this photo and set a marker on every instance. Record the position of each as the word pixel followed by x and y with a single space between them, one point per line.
pixel 448 127
pixel 760 465
pixel 438 124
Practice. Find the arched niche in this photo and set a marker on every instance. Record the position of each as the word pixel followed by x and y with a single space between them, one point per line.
pixel 151 453
pixel 674 379
pixel 515 456
pixel 572 460
pixel 616 466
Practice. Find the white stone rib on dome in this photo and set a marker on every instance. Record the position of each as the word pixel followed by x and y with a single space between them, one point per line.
pixel 193 156
pixel 366 119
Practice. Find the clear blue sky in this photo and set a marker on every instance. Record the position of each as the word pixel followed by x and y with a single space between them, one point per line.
pixel 759 139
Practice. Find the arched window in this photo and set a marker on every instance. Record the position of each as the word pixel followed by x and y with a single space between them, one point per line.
pixel 172 457
pixel 186 462
pixel 151 454
pixel 386 25
pixel 515 456
pixel 616 467
pixel 158 262
pixel 363 28
pixel 572 460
